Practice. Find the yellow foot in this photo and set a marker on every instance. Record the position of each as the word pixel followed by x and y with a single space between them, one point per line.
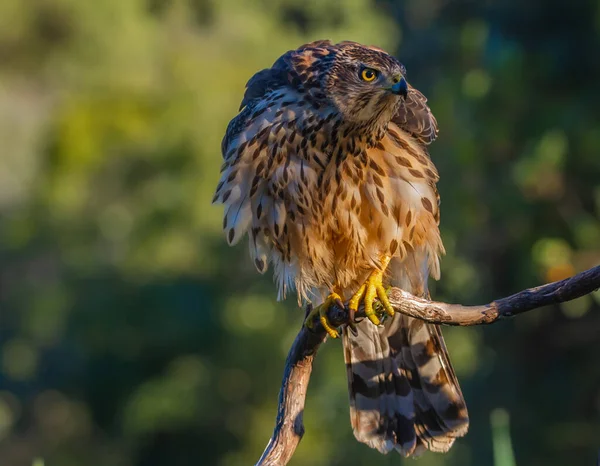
pixel 321 310
pixel 371 289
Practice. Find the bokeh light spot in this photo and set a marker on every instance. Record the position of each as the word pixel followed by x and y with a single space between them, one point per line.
pixel 19 359
pixel 249 314
pixel 476 84
pixel 576 308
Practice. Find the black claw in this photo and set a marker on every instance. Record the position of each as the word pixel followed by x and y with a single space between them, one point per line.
pixel 352 322
pixel 351 313
pixel 352 327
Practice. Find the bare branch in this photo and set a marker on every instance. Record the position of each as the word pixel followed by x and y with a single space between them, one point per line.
pixel 289 428
pixel 298 367
pixel 526 300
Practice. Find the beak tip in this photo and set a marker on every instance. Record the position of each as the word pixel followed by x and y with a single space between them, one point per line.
pixel 400 88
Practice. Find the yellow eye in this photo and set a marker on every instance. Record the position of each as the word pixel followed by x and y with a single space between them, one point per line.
pixel 368 74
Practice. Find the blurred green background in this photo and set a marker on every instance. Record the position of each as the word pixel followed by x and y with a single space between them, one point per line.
pixel 131 335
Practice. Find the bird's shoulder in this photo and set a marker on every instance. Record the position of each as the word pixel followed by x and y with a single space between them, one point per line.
pixel 295 68
pixel 294 75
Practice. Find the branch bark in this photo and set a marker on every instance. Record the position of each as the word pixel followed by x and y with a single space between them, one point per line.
pixel 289 428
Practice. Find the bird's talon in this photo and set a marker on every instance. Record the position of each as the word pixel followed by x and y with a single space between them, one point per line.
pixel 333 333
pixel 367 293
pixel 321 311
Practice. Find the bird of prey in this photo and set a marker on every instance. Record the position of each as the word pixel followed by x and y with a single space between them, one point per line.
pixel 326 167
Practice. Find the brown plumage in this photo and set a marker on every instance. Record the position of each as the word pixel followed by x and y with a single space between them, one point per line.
pixel 326 167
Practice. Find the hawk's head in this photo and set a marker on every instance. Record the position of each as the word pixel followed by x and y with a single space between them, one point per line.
pixel 361 85
pixel 365 84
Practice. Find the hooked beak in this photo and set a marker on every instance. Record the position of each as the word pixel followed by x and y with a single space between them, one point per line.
pixel 400 88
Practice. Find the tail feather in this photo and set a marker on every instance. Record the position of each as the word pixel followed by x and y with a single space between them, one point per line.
pixel 381 400
pixel 404 394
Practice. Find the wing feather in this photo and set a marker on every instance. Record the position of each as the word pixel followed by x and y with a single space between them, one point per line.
pixel 415 117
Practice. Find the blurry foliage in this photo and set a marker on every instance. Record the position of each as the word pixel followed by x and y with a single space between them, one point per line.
pixel 131 335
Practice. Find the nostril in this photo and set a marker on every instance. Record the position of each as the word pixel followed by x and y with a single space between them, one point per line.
pixel 396 79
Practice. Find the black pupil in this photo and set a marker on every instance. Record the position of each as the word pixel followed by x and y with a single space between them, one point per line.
pixel 369 74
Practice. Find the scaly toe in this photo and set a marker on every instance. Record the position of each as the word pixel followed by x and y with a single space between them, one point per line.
pixel 370 295
pixel 321 311
pixel 333 333
pixel 382 295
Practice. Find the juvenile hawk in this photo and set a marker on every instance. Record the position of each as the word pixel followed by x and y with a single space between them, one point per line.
pixel 326 167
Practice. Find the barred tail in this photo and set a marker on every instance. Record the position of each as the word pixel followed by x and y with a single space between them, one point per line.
pixel 404 394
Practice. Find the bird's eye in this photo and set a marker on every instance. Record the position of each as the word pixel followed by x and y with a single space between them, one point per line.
pixel 368 74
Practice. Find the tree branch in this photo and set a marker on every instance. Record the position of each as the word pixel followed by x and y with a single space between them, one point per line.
pixel 298 367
